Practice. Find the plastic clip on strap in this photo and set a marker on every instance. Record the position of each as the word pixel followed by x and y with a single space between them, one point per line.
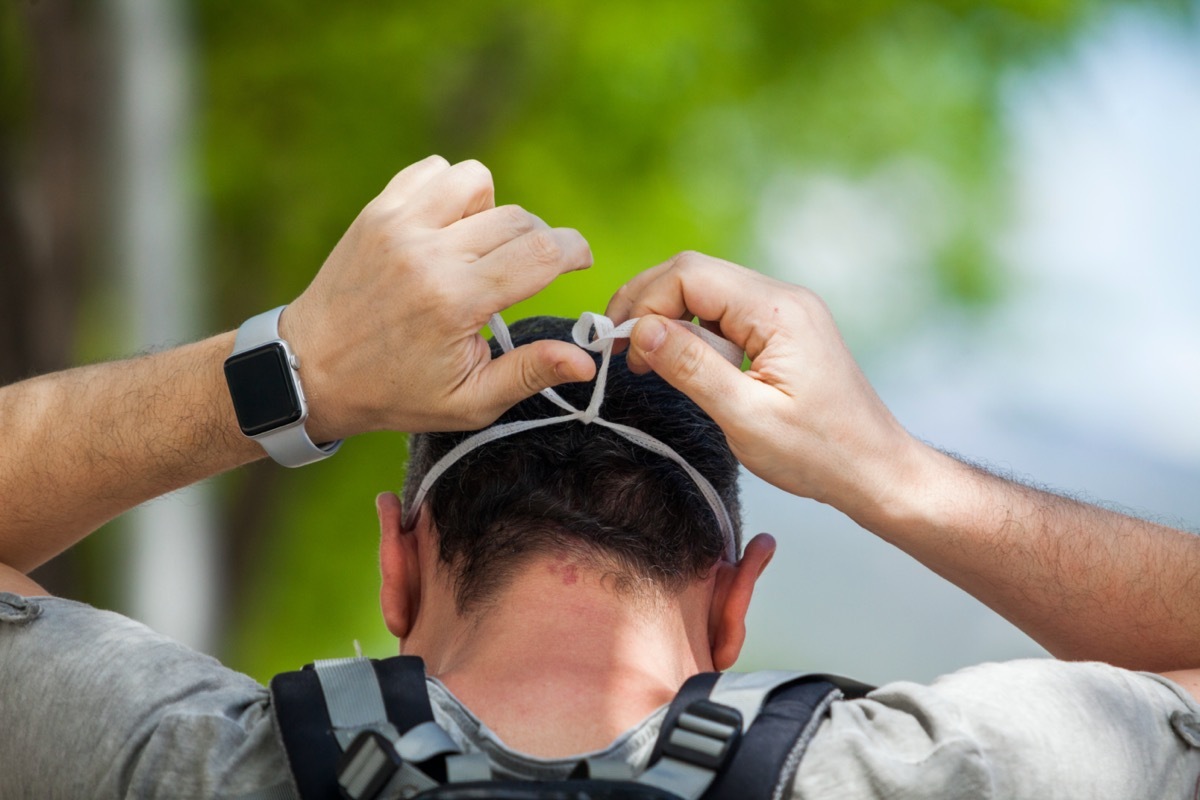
pixel 606 335
pixel 700 745
pixel 697 747
pixel 376 761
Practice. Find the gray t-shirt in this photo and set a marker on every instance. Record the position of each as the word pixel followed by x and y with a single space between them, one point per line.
pixel 95 705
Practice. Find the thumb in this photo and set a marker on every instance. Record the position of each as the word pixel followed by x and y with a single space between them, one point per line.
pixel 528 369
pixel 688 363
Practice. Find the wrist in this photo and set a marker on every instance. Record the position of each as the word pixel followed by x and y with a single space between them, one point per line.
pixel 268 394
pixel 324 416
pixel 914 489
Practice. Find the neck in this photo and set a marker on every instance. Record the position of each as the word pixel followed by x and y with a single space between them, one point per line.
pixel 559 663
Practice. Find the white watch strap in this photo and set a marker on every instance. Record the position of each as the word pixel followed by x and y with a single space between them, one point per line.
pixel 258 330
pixel 289 445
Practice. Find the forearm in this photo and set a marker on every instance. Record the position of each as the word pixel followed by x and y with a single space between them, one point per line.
pixel 84 445
pixel 1084 582
pixel 388 335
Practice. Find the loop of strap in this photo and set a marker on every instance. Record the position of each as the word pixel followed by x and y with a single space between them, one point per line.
pixel 353 698
pixel 606 334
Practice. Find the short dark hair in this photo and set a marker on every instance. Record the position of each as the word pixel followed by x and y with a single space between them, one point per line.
pixel 581 488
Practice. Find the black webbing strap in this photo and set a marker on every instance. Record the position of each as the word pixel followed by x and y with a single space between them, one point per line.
pixel 307 733
pixel 697 687
pixel 770 751
pixel 851 688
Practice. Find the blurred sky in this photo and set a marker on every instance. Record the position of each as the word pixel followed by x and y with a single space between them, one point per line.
pixel 1084 377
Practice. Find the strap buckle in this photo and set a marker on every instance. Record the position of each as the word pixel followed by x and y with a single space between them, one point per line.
pixel 367 766
pixel 706 734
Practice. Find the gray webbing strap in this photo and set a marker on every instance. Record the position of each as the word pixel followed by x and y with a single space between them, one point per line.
pixel 468 767
pixel 744 692
pixel 280 791
pixel 424 742
pixel 353 698
pixel 609 769
pixel 747 691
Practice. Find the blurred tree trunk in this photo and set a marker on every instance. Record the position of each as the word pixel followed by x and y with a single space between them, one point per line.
pixel 49 169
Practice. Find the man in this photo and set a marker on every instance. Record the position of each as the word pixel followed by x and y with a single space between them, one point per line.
pixel 564 621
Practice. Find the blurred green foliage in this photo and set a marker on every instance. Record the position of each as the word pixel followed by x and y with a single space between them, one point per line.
pixel 651 126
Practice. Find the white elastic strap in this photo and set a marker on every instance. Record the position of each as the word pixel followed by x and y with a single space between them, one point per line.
pixel 606 335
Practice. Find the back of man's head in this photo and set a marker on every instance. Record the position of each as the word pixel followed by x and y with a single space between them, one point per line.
pixel 580 489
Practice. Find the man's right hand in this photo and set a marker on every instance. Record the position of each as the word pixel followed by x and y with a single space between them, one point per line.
pixel 388 331
pixel 803 417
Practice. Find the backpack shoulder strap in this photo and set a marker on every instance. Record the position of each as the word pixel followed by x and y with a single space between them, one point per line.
pixel 698 687
pixel 769 753
pixel 322 709
pixel 745 738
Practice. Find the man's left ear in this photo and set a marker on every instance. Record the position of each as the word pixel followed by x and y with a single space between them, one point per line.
pixel 731 600
pixel 400 593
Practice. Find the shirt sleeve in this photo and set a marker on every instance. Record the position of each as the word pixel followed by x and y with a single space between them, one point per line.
pixel 93 704
pixel 1034 728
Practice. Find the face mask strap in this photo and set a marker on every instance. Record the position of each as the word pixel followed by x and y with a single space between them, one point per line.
pixel 606 335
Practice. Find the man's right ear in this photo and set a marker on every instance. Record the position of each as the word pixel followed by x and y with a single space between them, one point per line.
pixel 400 566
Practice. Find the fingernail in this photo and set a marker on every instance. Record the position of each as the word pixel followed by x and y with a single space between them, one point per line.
pixel 649 334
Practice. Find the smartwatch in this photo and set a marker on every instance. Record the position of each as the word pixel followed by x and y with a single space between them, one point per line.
pixel 264 382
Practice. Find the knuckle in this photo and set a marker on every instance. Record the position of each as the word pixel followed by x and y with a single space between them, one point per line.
pixel 514 218
pixel 544 247
pixel 810 303
pixel 530 380
pixel 577 243
pixel 687 260
pixel 486 297
pixel 374 215
pixel 477 170
pixel 621 298
pixel 689 361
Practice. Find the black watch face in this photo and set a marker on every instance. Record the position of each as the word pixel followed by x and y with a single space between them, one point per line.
pixel 264 395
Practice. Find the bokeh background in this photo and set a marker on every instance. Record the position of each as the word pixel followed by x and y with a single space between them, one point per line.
pixel 1000 202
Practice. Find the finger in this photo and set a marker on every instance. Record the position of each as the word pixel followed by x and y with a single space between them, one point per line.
pixel 694 285
pixel 409 180
pixel 456 192
pixel 688 285
pixel 522 267
pixel 528 369
pixel 686 362
pixel 664 287
pixel 623 300
pixel 481 233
